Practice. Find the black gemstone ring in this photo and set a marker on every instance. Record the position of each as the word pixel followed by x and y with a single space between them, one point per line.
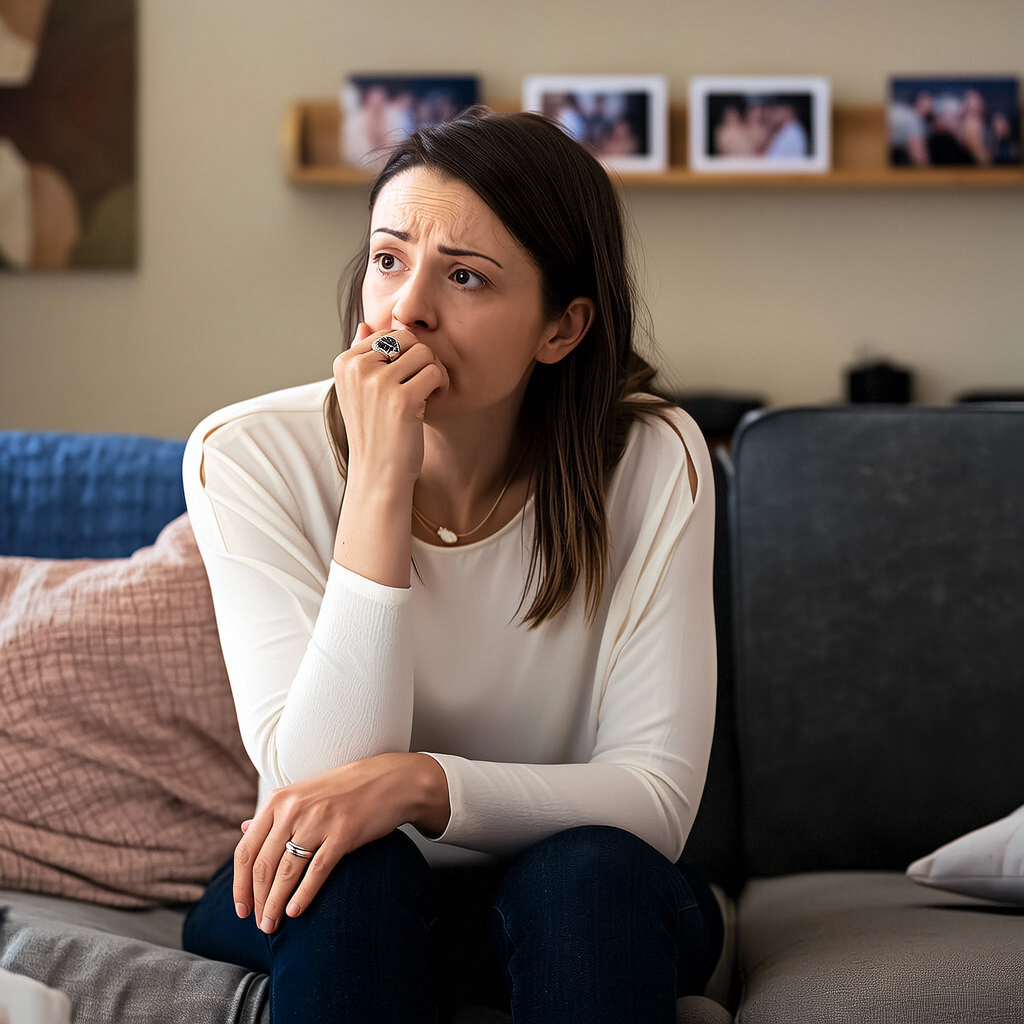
pixel 388 347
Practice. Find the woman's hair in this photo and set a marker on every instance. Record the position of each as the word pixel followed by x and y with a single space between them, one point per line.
pixel 557 201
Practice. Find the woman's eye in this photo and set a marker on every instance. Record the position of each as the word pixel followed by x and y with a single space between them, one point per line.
pixel 467 279
pixel 386 262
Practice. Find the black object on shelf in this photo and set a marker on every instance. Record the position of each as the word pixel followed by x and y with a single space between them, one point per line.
pixel 879 382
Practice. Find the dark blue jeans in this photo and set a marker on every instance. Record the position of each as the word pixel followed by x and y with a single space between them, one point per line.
pixel 591 925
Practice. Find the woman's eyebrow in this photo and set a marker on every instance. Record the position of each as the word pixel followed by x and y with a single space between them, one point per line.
pixel 403 235
pixel 445 250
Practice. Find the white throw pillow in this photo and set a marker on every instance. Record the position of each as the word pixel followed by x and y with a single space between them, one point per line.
pixel 988 862
pixel 24 1001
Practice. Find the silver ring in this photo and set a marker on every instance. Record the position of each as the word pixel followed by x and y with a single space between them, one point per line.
pixel 388 347
pixel 299 851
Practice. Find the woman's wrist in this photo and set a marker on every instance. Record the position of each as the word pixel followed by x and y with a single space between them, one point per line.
pixel 374 537
pixel 431 806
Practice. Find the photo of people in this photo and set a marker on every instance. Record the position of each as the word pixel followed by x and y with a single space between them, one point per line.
pixel 622 121
pixel 760 124
pixel 382 110
pixel 771 126
pixel 608 124
pixel 943 122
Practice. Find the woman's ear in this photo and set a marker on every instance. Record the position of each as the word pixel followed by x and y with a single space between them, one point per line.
pixel 565 333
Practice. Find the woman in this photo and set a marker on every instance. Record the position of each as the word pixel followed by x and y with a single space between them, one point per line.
pixel 518 582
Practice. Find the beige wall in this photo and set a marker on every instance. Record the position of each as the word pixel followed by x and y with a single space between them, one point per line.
pixel 773 291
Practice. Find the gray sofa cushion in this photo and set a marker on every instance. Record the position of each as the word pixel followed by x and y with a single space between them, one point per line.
pixel 124 966
pixel 874 948
pixel 701 1010
pixel 160 926
pixel 878 570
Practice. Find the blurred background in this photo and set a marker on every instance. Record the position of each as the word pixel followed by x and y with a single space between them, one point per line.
pixel 775 292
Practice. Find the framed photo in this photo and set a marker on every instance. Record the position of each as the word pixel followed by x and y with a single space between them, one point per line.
pixel 622 120
pixel 382 110
pixel 765 125
pixel 965 122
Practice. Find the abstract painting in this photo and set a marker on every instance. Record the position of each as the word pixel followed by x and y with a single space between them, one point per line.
pixel 68 134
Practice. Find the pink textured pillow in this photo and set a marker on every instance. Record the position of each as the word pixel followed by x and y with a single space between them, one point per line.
pixel 122 774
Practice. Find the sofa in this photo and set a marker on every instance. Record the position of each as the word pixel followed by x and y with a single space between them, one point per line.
pixel 869 571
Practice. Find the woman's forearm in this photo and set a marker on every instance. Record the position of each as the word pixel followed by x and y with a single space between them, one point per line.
pixel 352 696
pixel 374 536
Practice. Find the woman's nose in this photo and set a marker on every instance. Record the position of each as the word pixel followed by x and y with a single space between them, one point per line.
pixel 414 306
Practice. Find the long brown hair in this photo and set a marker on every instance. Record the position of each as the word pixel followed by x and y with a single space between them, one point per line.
pixel 559 204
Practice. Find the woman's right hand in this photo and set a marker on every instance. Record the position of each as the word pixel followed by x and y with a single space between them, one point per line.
pixel 383 406
pixel 331 814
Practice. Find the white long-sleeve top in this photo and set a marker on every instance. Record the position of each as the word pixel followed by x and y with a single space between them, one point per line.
pixel 537 730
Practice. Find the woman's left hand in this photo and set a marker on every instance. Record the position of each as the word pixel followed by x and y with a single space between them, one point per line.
pixel 332 814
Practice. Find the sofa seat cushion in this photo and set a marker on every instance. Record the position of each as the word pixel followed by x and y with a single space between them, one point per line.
pixel 867 947
pixel 123 965
pixel 160 926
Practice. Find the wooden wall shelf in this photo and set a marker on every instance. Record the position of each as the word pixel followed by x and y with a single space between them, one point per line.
pixel 312 130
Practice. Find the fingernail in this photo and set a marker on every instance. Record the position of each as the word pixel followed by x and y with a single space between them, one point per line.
pixel 293 909
pixel 267 924
pixel 241 910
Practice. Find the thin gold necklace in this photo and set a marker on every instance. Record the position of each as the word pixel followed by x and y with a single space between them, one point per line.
pixel 449 536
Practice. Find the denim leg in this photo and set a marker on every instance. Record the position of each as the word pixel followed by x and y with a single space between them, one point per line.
pixel 360 953
pixel 593 925
pixel 466 972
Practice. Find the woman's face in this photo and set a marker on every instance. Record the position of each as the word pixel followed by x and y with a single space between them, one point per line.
pixel 444 267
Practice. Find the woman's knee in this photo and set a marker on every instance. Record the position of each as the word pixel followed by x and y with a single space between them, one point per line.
pixel 601 896
pixel 384 884
pixel 361 950
pixel 583 878
pixel 585 859
pixel 595 879
pixel 371 880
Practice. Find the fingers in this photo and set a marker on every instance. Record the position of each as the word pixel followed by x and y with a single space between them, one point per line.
pixel 286 875
pixel 294 881
pixel 363 331
pixel 297 882
pixel 317 871
pixel 402 368
pixel 383 405
pixel 249 846
pixel 377 396
pixel 362 343
pixel 266 874
pixel 413 356
pixel 264 870
pixel 365 337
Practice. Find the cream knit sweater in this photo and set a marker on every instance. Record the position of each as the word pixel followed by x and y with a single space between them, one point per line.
pixel 536 730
